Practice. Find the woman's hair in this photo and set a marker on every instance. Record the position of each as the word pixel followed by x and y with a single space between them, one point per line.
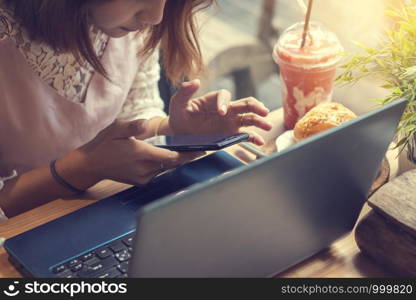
pixel 64 25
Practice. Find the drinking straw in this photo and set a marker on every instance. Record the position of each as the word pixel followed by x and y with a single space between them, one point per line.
pixel 306 27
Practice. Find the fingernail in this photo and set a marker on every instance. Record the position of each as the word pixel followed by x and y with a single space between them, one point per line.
pixel 224 109
pixel 192 82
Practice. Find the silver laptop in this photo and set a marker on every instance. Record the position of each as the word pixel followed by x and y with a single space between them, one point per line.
pixel 258 220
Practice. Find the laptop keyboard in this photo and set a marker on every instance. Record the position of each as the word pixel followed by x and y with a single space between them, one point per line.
pixel 108 261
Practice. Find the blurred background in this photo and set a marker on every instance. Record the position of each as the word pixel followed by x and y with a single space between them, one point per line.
pixel 238 36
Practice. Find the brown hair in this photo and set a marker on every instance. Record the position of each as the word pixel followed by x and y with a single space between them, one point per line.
pixel 64 25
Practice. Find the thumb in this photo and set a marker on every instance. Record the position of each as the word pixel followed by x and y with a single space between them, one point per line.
pixel 186 91
pixel 123 129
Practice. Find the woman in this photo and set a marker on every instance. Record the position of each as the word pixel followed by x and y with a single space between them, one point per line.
pixel 78 82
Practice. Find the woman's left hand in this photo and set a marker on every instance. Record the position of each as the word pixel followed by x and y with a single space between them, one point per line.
pixel 215 113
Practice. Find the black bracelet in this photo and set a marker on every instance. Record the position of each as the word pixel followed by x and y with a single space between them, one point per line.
pixel 61 181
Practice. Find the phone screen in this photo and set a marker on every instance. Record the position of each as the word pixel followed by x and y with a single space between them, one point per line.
pixel 197 142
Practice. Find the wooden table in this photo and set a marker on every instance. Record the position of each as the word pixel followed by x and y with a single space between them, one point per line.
pixel 342 259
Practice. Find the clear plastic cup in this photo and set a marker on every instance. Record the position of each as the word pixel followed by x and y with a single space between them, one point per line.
pixel 307 74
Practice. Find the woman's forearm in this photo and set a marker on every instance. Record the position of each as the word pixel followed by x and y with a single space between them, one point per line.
pixel 38 187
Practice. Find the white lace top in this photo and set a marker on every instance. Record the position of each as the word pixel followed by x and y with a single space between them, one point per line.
pixel 70 78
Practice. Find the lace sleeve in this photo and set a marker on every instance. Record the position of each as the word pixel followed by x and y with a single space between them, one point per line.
pixel 2 217
pixel 143 100
pixel 2 182
pixel 5 25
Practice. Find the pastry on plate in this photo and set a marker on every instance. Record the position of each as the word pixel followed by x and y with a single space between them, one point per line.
pixel 320 118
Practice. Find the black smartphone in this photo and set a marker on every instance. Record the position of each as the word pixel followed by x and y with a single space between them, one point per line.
pixel 198 142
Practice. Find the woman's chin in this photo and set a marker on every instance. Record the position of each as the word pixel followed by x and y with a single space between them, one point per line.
pixel 115 33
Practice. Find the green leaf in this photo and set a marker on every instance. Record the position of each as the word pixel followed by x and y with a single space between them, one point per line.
pixel 387 86
pixel 397 91
pixel 393 61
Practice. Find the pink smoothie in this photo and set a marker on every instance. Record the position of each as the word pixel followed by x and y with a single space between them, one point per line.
pixel 307 74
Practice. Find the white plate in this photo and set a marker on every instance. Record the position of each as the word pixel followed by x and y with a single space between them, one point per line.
pixel 285 140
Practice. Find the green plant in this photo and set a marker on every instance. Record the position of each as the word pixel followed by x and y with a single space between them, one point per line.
pixel 394 62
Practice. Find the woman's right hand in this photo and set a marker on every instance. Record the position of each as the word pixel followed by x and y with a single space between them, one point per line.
pixel 116 154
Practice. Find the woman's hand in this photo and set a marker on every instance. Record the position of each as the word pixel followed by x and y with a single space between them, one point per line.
pixel 116 154
pixel 215 113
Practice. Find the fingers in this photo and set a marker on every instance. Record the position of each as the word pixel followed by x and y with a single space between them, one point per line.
pixel 149 152
pixel 145 171
pixel 254 137
pixel 152 161
pixel 153 168
pixel 182 158
pixel 186 91
pixel 121 129
pixel 245 156
pixel 220 102
pixel 157 166
pixel 249 105
pixel 165 157
pixel 246 120
pixel 214 102
pixel 223 102
pixel 144 161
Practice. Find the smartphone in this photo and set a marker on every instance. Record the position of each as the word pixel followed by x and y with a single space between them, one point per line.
pixel 198 142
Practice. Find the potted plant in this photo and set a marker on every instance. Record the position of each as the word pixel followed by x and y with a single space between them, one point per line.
pixel 394 62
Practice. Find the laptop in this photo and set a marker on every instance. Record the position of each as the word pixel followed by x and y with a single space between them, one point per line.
pixel 217 218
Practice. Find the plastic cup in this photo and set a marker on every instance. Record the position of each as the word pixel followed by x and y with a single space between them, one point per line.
pixel 307 74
